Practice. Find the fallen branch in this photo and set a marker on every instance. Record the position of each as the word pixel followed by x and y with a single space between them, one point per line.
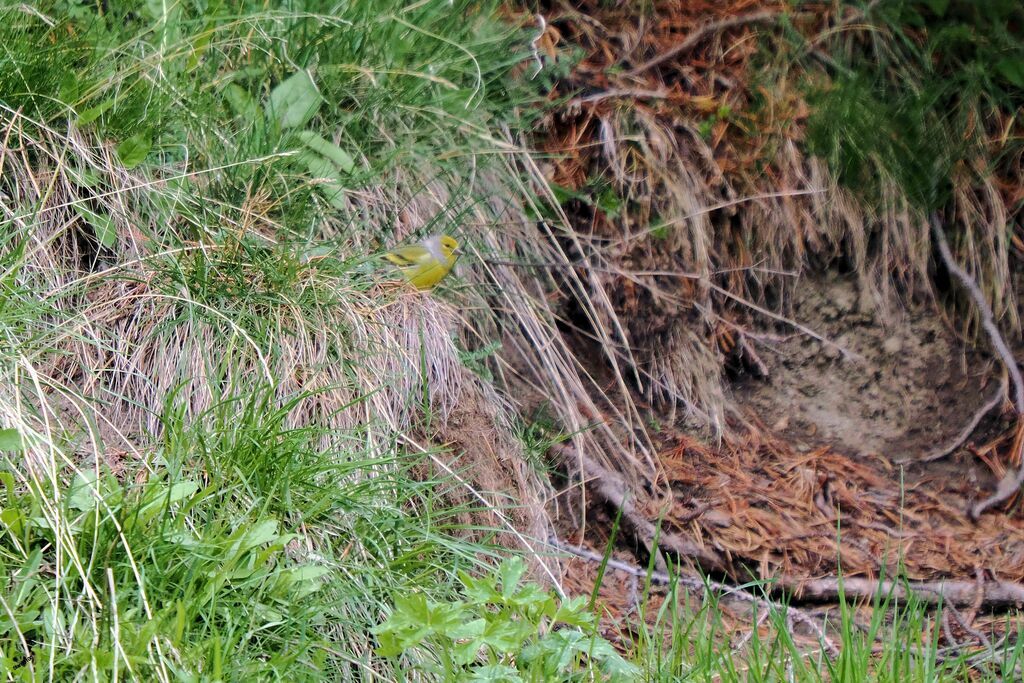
pixel 693 583
pixel 612 492
pixel 960 593
pixel 994 593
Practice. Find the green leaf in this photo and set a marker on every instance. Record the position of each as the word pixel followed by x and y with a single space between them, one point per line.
pixel 199 47
pixel 327 175
pixel 1012 70
pixel 938 6
pixel 12 520
pixel 295 101
pixel 86 177
pixel 510 571
pixel 495 673
pixel 102 224
pixel 264 532
pixel 506 636
pixel 82 495
pixel 610 203
pixel 318 166
pixel 10 440
pixel 339 157
pixel 241 102
pixel 134 150
pixel 93 113
pixel 574 612
pixel 305 580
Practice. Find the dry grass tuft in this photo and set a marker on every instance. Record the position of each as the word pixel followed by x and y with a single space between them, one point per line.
pixel 154 325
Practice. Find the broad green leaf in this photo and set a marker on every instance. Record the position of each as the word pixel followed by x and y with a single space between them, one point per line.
pixel 241 101
pixel 82 494
pixel 12 520
pixel 199 47
pixel 10 440
pixel 318 166
pixel 102 224
pixel 70 87
pixel 295 101
pixel 24 577
pixel 93 113
pixel 495 673
pixel 134 150
pixel 510 571
pixel 1012 70
pixel 159 495
pixel 305 580
pixel 182 490
pixel 327 176
pixel 938 6
pixel 86 177
pixel 264 532
pixel 337 155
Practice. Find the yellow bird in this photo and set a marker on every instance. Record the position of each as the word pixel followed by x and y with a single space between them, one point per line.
pixel 426 263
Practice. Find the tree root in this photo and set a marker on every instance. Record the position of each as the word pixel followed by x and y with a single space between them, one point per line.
pixel 1011 483
pixel 965 433
pixel 611 492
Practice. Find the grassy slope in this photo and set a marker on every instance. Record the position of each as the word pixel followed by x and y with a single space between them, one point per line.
pixel 202 411
pixel 206 457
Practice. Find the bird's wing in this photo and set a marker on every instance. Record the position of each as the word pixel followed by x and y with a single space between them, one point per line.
pixel 408 256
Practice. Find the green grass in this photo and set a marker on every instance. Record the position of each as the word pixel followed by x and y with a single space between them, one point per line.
pixel 922 90
pixel 210 465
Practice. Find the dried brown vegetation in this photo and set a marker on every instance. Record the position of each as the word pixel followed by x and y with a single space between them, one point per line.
pixel 679 147
pixel 718 210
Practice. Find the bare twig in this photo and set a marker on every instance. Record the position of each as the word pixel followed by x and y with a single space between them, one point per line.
pixel 987 317
pixel 1011 483
pixel 965 433
pixel 979 577
pixel 947 630
pixel 699 33
pixel 694 583
pixel 750 634
pixel 966 626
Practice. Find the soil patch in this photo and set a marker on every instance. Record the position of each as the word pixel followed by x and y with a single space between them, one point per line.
pixel 896 386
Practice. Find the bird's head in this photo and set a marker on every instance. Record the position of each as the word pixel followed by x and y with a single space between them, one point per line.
pixel 450 246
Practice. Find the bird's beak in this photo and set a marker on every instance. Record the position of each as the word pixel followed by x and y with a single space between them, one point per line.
pixel 458 251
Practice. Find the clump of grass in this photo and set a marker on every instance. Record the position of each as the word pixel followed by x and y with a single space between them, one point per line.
pixel 924 98
pixel 234 441
pixel 235 550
